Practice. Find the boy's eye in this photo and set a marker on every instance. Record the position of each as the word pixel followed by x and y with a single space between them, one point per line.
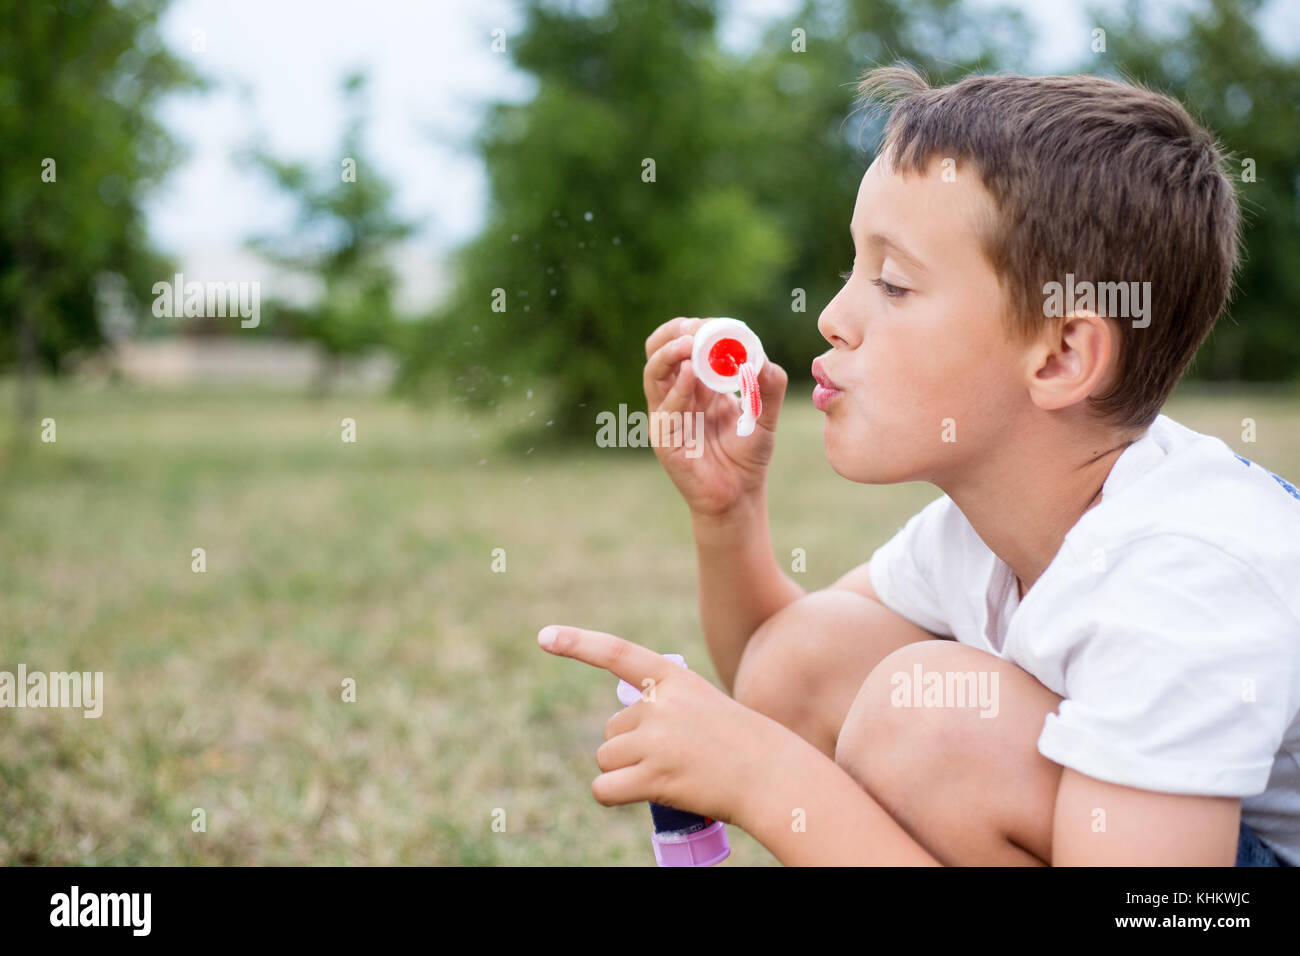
pixel 893 291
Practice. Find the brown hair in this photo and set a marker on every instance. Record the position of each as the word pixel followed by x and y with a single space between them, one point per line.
pixel 1109 181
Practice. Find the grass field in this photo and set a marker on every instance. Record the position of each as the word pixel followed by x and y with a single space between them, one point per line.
pixel 370 561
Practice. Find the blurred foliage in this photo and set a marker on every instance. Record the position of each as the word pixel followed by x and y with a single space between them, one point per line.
pixel 343 238
pixel 1215 62
pixel 79 82
pixel 589 256
pixel 756 166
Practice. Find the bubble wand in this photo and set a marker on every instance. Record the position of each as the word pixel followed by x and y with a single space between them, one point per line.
pixel 727 357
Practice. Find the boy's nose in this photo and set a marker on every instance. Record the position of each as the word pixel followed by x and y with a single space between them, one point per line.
pixel 835 325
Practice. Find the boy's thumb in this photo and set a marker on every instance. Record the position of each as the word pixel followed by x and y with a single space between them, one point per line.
pixel 772 381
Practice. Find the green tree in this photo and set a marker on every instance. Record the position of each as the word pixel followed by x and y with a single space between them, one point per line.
pixel 1216 63
pixel 617 201
pixel 79 150
pixel 755 173
pixel 343 238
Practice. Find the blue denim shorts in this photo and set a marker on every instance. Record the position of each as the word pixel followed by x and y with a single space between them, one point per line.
pixel 1252 851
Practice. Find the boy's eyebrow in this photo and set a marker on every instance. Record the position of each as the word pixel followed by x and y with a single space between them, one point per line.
pixel 893 245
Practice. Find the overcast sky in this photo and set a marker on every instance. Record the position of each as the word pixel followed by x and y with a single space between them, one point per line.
pixel 276 68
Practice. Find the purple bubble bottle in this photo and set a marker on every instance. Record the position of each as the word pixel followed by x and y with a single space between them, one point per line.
pixel 681 838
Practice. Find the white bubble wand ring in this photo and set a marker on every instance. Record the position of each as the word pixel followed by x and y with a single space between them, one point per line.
pixel 727 357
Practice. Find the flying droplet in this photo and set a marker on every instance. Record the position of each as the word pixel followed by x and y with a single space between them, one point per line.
pixel 514 237
pixel 530 393
pixel 588 216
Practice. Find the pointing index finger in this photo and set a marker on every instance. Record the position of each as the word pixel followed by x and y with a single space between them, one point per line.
pixel 620 657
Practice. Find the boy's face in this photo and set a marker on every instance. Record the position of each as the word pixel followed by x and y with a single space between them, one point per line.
pixel 926 356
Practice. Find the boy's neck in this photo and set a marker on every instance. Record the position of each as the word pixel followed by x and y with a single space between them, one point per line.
pixel 1030 493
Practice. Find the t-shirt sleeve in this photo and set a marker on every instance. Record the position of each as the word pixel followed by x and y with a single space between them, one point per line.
pixel 901 569
pixel 1182 672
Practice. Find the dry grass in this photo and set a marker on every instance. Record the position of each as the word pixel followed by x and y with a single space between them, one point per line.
pixel 371 561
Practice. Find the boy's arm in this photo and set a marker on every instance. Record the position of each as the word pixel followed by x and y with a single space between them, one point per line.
pixel 741 585
pixel 810 812
pixel 858 581
pixel 1105 824
pixel 1181 681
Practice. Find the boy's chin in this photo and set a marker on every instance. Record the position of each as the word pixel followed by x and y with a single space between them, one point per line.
pixel 865 474
pixel 856 467
pixel 859 461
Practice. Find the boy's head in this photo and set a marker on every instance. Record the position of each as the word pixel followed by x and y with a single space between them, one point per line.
pixel 1028 250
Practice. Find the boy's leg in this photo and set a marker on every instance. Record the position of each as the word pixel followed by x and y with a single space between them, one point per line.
pixel 972 790
pixel 805 664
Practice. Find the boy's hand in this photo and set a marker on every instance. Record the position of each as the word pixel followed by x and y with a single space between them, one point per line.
pixel 690 747
pixel 725 467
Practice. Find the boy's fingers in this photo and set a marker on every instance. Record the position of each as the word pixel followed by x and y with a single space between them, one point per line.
pixel 681 397
pixel 772 381
pixel 624 785
pixel 621 751
pixel 659 367
pixel 632 662
pixel 669 330
pixel 629 718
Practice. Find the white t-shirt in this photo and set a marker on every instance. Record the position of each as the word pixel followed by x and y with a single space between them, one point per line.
pixel 1169 622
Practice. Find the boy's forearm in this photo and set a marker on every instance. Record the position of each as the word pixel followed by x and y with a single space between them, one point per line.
pixel 808 811
pixel 741 585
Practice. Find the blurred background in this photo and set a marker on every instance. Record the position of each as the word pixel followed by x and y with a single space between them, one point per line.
pixel 369 460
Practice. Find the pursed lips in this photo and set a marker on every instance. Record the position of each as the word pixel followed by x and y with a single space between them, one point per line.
pixel 824 380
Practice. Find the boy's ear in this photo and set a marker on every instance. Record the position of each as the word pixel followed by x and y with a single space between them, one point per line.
pixel 1071 359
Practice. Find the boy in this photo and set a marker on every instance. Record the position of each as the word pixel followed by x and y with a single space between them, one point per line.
pixel 1120 593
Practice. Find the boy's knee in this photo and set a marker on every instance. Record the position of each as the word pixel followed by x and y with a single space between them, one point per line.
pixel 890 739
pixel 920 756
pixel 776 676
pixel 768 667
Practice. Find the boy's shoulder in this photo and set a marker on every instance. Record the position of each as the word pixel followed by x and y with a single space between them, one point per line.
pixel 1171 481
pixel 1175 480
pixel 1181 512
pixel 1178 491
